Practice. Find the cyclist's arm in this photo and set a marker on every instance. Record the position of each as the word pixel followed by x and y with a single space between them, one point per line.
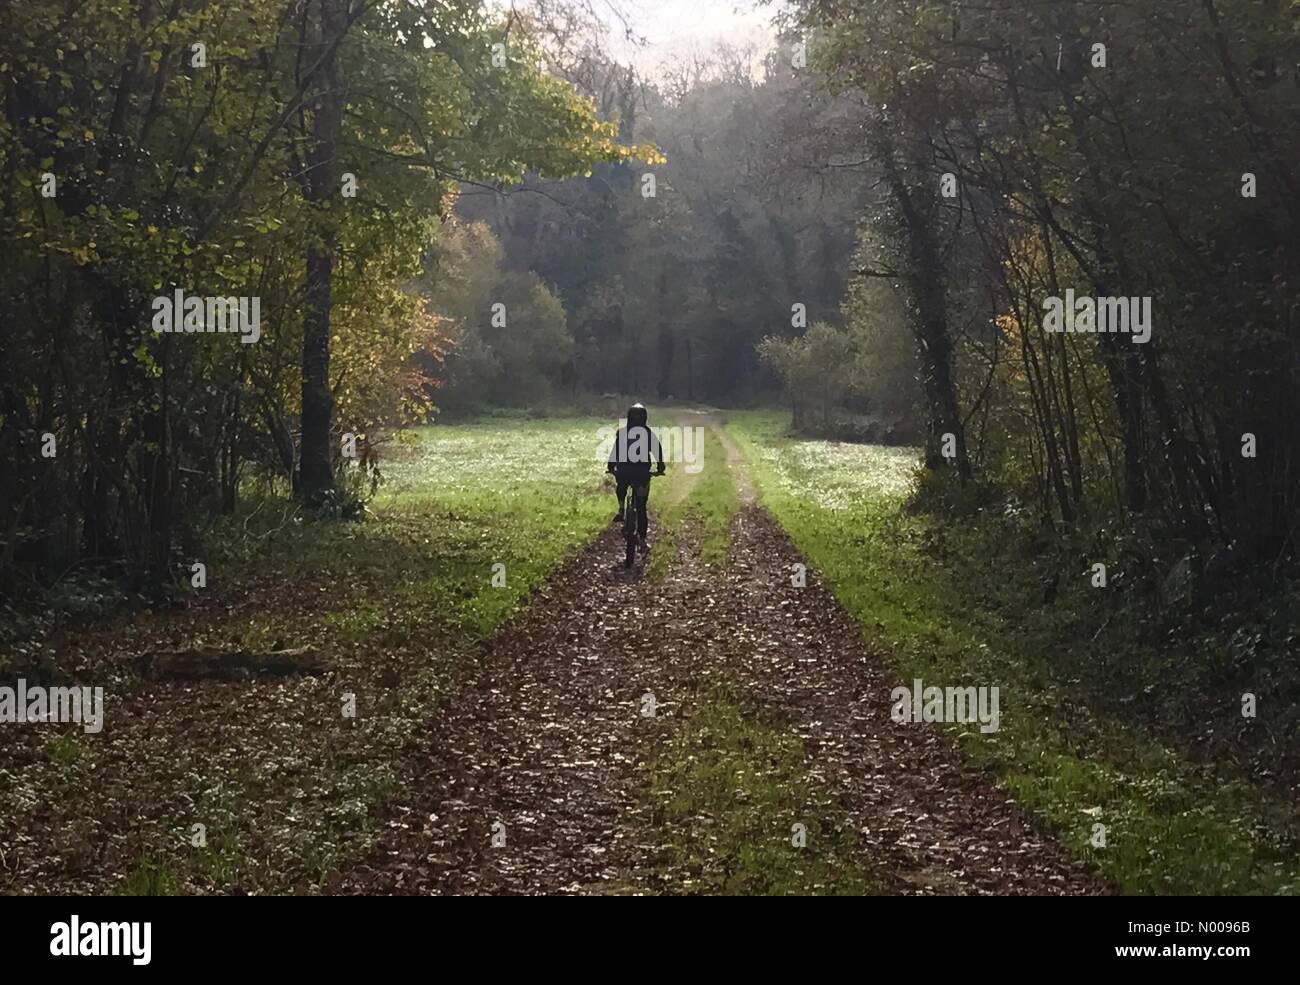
pixel 658 449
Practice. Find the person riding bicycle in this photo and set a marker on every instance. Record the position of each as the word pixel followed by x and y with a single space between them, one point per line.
pixel 635 449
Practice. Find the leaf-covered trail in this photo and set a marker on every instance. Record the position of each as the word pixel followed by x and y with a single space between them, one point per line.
pixel 536 774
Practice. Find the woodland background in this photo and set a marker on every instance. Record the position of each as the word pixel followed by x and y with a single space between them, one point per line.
pixel 813 182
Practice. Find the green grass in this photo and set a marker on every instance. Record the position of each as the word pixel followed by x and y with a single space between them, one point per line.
pixel 1171 826
pixel 66 749
pixel 730 788
pixel 456 501
pixel 150 878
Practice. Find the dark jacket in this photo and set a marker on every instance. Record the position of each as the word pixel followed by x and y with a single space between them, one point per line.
pixel 635 450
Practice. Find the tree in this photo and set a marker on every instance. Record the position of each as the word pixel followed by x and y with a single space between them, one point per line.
pixel 148 147
pixel 1075 164
pixel 814 369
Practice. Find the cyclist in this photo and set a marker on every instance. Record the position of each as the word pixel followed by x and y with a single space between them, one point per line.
pixel 635 449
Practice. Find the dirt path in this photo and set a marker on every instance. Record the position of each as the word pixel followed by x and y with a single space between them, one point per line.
pixel 544 748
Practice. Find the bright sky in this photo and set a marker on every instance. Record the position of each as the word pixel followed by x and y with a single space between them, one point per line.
pixel 682 28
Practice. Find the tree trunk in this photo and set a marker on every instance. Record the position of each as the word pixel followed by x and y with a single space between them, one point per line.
pixel 667 347
pixel 690 371
pixel 321 182
pixel 930 323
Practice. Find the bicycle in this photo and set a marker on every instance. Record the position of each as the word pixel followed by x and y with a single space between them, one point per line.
pixel 637 496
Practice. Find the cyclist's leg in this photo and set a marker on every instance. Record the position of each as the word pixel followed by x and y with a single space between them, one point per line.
pixel 642 498
pixel 620 490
